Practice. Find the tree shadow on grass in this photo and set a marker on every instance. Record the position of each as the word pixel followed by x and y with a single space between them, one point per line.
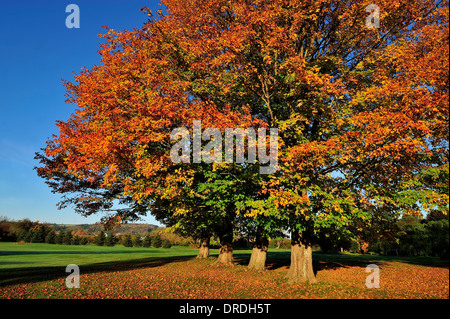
pixel 20 275
pixel 327 261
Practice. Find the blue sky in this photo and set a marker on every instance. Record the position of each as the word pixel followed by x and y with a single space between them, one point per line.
pixel 37 52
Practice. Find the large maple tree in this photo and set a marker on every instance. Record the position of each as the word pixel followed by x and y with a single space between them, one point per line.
pixel 362 116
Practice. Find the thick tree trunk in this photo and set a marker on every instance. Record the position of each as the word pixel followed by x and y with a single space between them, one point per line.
pixel 301 268
pixel 225 254
pixel 226 243
pixel 204 248
pixel 259 253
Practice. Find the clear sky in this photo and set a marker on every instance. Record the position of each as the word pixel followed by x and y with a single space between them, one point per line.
pixel 37 51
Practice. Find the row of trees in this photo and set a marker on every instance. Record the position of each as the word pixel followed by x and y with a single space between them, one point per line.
pixel 148 241
pixel 132 241
pixel 41 235
pixel 361 115
pixel 35 232
pixel 25 229
pixel 416 237
pixel 50 237
pixel 94 229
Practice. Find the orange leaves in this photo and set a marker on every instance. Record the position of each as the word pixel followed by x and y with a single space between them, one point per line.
pixel 307 156
pixel 385 133
pixel 287 197
pixel 358 110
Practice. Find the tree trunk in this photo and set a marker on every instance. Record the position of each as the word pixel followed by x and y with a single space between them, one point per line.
pixel 226 241
pixel 259 253
pixel 204 248
pixel 225 254
pixel 301 268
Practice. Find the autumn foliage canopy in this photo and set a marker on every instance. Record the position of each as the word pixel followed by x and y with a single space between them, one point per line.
pixel 362 117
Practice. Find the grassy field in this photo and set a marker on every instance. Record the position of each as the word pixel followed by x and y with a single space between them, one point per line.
pixel 38 271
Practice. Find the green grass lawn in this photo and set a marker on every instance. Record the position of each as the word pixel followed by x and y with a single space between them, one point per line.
pixel 30 262
pixel 33 262
pixel 13 255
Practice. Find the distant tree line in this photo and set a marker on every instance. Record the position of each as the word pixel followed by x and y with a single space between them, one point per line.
pixel 408 236
pixel 417 237
pixel 128 240
pixel 27 231
pixel 94 229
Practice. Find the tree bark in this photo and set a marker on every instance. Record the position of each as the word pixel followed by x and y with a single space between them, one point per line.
pixel 225 254
pixel 226 243
pixel 259 253
pixel 301 268
pixel 204 248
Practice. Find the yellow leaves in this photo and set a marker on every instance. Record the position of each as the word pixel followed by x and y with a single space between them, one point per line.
pixel 293 122
pixel 413 212
pixel 253 213
pixel 337 208
pixel 267 59
pixel 180 211
pixel 283 198
pixel 110 176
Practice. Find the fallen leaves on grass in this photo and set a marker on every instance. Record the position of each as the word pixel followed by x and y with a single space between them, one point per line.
pixel 201 279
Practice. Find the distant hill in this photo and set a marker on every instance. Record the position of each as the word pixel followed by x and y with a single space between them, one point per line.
pixel 94 229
